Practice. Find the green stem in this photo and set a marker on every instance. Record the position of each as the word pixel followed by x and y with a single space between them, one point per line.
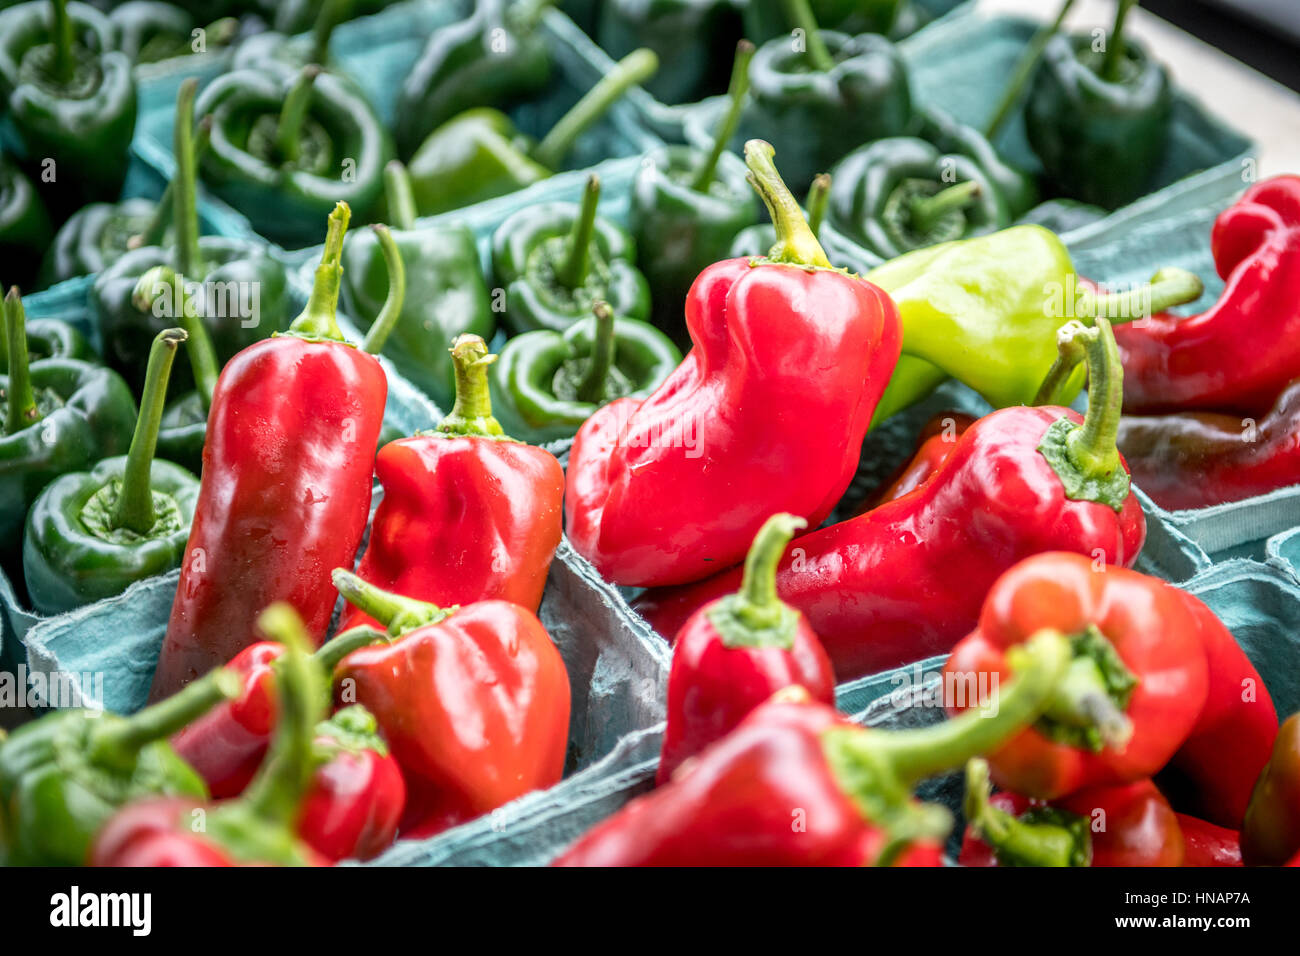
pixel 472 412
pixel 928 210
pixel 164 718
pixel 288 131
pixel 1024 70
pixel 319 318
pixel 1168 288
pixel 799 15
pixel 185 214
pixel 795 242
pixel 524 15
pixel 637 67
pixel 397 613
pixel 1081 701
pixel 387 318
pixel 63 39
pixel 731 119
pixel 572 273
pixel 592 387
pixel 22 411
pixel 1015 841
pixel 755 616
pixel 1069 353
pixel 153 234
pixel 203 356
pixel 135 497
pixel 327 18
pixel 1112 67
pixel 818 198
pixel 341 645
pixel 398 196
pixel 1091 446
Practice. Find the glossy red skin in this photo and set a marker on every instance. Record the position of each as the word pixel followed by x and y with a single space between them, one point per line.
pixel 354 806
pixel 1155 634
pixel 1138 828
pixel 226 745
pixel 474 708
pixel 1238 355
pixel 934 445
pixel 787 366
pixel 713 687
pixel 1206 844
pixel 284 498
pixel 735 803
pixel 1233 738
pixel 1197 459
pixel 906 580
pixel 463 520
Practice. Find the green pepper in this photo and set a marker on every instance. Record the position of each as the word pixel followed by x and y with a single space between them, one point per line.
pixel 684 35
pixel 554 261
pixel 243 287
pixel 986 311
pixel 479 154
pixel 815 105
pixel 90 535
pixel 70 98
pixel 286 147
pixel 61 415
pixel 494 57
pixel 1100 121
pixel 280 49
pixel 765 19
pixel 687 207
pixel 758 240
pixel 62 776
pixel 24 223
pixel 1018 188
pixel 149 31
pixel 901 193
pixel 446 295
pixel 546 383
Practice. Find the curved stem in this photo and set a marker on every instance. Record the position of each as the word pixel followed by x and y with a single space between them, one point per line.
pixel 1024 70
pixel 154 233
pixel 163 280
pixel 1092 446
pixel 592 387
pixel 819 194
pixel 135 497
pixel 185 214
pixel 397 613
pixel 795 242
pixel 1015 841
pixel 398 195
pixel 928 210
pixel 327 18
pixel 386 321
pixel 22 411
pixel 63 39
pixel 164 718
pixel 757 605
pixel 1069 353
pixel 800 16
pixel 329 654
pixel 637 67
pixel 736 91
pixel 1082 701
pixel 1168 288
pixel 288 131
pixel 319 318
pixel 472 412
pixel 1112 66
pixel 572 273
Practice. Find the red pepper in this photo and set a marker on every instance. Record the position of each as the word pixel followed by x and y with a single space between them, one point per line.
pixel 1120 825
pixel 357 793
pixel 468 514
pixel 798 784
pixel 736 653
pixel 1206 844
pixel 1270 834
pixel 1241 353
pixel 259 828
pixel 286 483
pixel 789 360
pixel 906 580
pixel 1138 680
pixel 933 446
pixel 473 701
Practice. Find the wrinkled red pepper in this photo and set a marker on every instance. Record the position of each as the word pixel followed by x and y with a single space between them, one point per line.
pixel 906 580
pixel 1240 354
pixel 473 701
pixel 1270 835
pixel 1206 844
pixel 736 653
pixel 468 514
pixel 1138 682
pixel 798 784
pixel 286 483
pixel 789 360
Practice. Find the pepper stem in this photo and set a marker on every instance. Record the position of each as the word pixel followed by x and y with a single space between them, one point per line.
pixel 288 131
pixel 1112 67
pixel 160 720
pixel 592 387
pixel 1015 841
pixel 637 67
pixel 341 645
pixel 736 91
pixel 22 411
pixel 818 198
pixel 154 233
pixel 755 616
pixel 795 242
pixel 524 15
pixel 276 792
pixel 387 318
pixel 472 412
pixel 572 273
pixel 327 18
pixel 398 195
pixel 135 497
pixel 1069 353
pixel 185 214
pixel 396 612
pixel 203 356
pixel 798 13
pixel 63 39
pixel 1169 287
pixel 318 319
pixel 928 210
pixel 1024 70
